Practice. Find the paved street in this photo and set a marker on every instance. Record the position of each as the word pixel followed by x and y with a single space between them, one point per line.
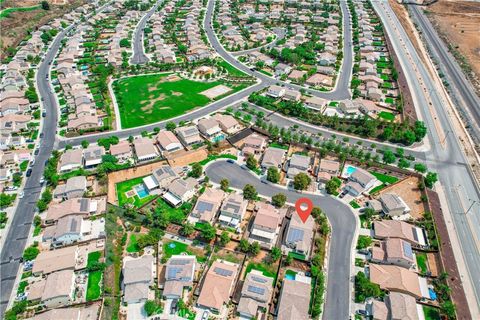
pixel 454 174
pixel 343 225
pixel 139 56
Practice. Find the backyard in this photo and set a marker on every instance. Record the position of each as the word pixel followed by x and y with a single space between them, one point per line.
pixel 384 179
pixel 172 248
pixel 94 277
pixel 151 98
pixel 127 194
pixel 132 244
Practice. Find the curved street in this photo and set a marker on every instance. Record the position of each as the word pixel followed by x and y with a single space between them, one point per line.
pixel 342 221
pixel 139 56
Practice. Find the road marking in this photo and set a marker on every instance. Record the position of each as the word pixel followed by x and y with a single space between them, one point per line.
pixel 467 217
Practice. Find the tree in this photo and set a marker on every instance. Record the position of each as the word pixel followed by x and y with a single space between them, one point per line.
pixel 275 254
pixel 251 162
pixel 224 238
pixel 224 184
pixel 254 248
pixel 197 170
pixel 332 185
pixel 151 307
pixel 430 179
pixel 273 175
pixel 301 181
pixel 45 5
pixel 288 260
pixel 208 232
pixel 170 126
pixel 85 144
pixel 316 212
pixel 363 242
pixel 388 157
pixel 279 200
pixel 244 246
pixel 420 167
pixel 30 253
pixel 249 192
pixel 365 289
pixel 187 229
pixel 403 164
pixel 124 43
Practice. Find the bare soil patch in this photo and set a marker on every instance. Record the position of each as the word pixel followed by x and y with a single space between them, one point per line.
pixel 216 91
pixel 408 190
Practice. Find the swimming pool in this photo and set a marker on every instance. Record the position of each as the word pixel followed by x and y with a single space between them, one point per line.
pixel 141 191
pixel 349 170
pixel 219 138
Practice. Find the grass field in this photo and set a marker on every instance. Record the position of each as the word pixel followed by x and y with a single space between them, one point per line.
pixel 93 286
pixel 232 70
pixel 422 262
pixel 125 186
pixel 6 12
pixel 132 244
pixel 150 98
pixel 387 116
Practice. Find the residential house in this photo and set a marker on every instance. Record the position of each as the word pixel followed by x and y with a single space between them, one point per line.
pixel 58 290
pixel 292 95
pixel 68 258
pixel 93 155
pixel 348 107
pixel 273 157
pixel 327 169
pixel 275 91
pixel 122 151
pixel 394 206
pixel 299 236
pixel 228 123
pixel 161 178
pixel 396 305
pixel 233 210
pixel 298 164
pixel 168 141
pixel 385 229
pixel 266 225
pixel 297 75
pixel 180 191
pixel 316 103
pixel 360 181
pixel 207 205
pixel 281 69
pixel 138 275
pixel 89 312
pixel 218 285
pixel 145 149
pixel 394 251
pixel 396 279
pixel 76 206
pixel 210 129
pixel 319 79
pixel 68 230
pixel 256 294
pixel 294 300
pixel 253 144
pixel 188 135
pixel 179 274
pixel 70 160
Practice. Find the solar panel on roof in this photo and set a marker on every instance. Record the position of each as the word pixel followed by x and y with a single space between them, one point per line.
pixel 258 279
pixel 256 290
pixel 172 272
pixel 73 225
pixel 295 235
pixel 204 206
pixel 407 250
pixel 223 272
pixel 83 204
pixel 178 262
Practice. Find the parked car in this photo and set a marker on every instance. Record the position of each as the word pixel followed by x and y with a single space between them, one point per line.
pixel 21 195
pixel 36 151
pixel 29 172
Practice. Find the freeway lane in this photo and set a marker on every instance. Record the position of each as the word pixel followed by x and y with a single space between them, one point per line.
pixel 340 92
pixel 460 85
pixel 340 216
pixel 139 56
pixel 451 164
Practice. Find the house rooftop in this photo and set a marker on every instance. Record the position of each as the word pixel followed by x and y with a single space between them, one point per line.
pixel 294 300
pixel 395 278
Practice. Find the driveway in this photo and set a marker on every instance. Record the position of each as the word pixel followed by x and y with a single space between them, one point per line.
pixel 340 216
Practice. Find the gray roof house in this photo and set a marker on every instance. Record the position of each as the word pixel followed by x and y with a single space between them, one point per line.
pixel 299 236
pixel 93 156
pixel 298 163
pixel 160 178
pixel 256 293
pixel 294 299
pixel 188 135
pixel 179 274
pixel 233 209
pixel 71 160
pixel 75 187
pixel 68 230
pixel 180 191
pixel 138 275
pixel 393 205
pixel 360 181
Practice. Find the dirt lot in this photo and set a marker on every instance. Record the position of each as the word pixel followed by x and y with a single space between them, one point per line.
pixel 459 24
pixel 14 28
pixel 408 190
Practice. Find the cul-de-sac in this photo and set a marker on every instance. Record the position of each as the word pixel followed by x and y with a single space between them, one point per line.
pixel 239 159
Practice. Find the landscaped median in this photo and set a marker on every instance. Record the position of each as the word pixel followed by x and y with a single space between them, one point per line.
pixel 147 99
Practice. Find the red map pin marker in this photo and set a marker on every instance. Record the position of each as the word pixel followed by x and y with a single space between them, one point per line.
pixel 303 212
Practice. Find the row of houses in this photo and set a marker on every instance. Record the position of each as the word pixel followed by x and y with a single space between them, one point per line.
pixel 164 52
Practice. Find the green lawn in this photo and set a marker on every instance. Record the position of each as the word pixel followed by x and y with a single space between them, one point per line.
pixel 278 145
pixel 186 314
pixel 93 257
pixel 21 286
pixel 354 204
pixel 149 98
pixel 132 244
pixel 431 313
pixel 387 116
pixel 265 72
pixel 231 69
pixel 24 165
pixel 422 262
pixel 126 186
pixel 173 248
pixel 297 256
pixel 267 270
pixel 389 100
pixel 174 214
pixel 93 286
pixel 384 177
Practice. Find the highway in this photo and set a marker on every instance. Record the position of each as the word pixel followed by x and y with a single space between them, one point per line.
pixel 459 85
pixel 139 56
pixel 342 221
pixel 455 176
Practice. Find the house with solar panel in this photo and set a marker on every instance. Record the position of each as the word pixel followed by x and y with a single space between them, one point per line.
pixel 218 285
pixel 394 251
pixel 160 178
pixel 256 294
pixel 233 210
pixel 188 135
pixel 207 206
pixel 179 275
pixel 299 238
pixel 92 156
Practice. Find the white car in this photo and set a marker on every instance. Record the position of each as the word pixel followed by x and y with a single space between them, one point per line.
pixel 21 195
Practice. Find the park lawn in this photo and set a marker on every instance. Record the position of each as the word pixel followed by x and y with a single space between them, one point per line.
pixel 266 270
pixel 422 262
pixel 212 157
pixel 132 244
pixel 123 187
pixel 431 313
pixel 149 98
pixel 231 69
pixel 93 285
pixel 387 116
